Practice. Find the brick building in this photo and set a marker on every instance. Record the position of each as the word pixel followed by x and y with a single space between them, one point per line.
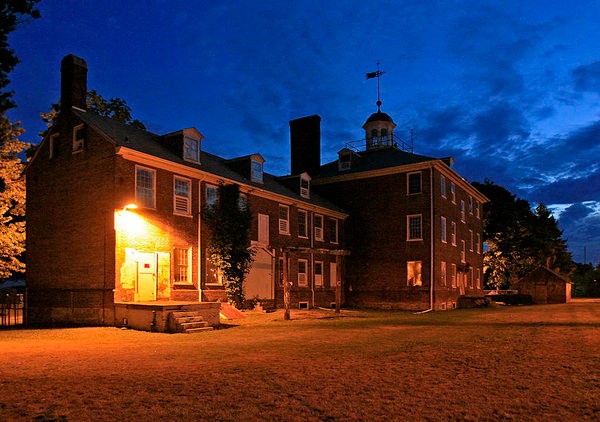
pixel 398 230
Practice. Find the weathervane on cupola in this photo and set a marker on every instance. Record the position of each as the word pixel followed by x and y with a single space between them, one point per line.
pixel 379 127
pixel 371 75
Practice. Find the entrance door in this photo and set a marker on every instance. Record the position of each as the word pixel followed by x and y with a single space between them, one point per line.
pixel 259 282
pixel 332 275
pixel 146 277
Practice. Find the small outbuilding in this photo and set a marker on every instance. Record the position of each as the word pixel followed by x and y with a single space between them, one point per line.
pixel 546 286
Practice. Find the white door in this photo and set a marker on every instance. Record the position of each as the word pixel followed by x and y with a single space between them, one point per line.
pixel 332 275
pixel 259 282
pixel 146 277
pixel 263 229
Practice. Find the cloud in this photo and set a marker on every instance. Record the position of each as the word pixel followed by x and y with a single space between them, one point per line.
pixel 581 225
pixel 586 78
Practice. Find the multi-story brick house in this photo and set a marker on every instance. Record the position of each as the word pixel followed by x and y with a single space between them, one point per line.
pixel 88 250
pixel 396 229
pixel 414 227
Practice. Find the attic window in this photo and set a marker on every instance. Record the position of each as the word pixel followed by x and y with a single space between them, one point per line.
pixel 256 174
pixel 344 161
pixel 191 149
pixel 78 138
pixel 304 187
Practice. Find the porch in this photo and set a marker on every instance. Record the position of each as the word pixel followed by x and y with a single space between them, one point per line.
pixel 159 316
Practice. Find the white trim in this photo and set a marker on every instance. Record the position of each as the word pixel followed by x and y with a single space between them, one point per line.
pixel 303 305
pixel 318 230
pixel 284 224
pixel 408 218
pixel 302 281
pixel 443 230
pixel 137 199
pixel 180 201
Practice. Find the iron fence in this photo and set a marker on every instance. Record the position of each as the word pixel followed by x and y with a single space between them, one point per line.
pixel 12 308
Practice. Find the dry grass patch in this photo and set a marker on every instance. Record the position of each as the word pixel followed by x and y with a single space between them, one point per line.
pixel 525 363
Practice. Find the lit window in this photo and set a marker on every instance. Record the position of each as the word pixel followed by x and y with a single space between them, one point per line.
pixel 181 265
pixel 304 187
pixel 302 279
pixel 256 173
pixel 443 229
pixel 318 221
pixel 302 223
pixel 333 230
pixel 453 233
pixel 145 187
pixel 443 273
pixel 191 149
pixel 413 270
pixel 182 196
pixel 413 223
pixel 414 183
pixel 212 195
pixel 213 275
pixel 78 138
pixel 318 274
pixel 453 192
pixel 443 186
pixel 284 219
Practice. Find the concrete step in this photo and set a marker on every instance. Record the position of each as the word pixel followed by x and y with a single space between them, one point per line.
pixel 188 325
pixel 189 319
pixel 197 330
pixel 184 314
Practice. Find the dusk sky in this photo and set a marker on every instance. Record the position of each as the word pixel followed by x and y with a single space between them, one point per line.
pixel 511 89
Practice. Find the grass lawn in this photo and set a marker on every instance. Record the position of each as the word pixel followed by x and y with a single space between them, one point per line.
pixel 506 363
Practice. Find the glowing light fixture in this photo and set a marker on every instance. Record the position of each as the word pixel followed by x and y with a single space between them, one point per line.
pixel 131 206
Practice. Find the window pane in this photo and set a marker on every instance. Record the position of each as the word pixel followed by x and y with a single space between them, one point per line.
pixel 414 227
pixel 413 269
pixel 414 183
pixel 144 187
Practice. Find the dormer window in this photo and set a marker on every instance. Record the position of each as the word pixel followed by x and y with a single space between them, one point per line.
pixel 191 149
pixel 344 159
pixel 78 138
pixel 304 187
pixel 256 171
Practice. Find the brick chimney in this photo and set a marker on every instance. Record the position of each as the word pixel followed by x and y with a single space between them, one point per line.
pixel 73 82
pixel 305 143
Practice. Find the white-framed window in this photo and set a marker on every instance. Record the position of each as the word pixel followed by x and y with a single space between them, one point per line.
pixel 470 203
pixel 414 227
pixel 52 141
pixel 477 209
pixel 191 149
pixel 78 138
pixel 471 280
pixel 284 219
pixel 414 183
pixel 453 275
pixel 333 230
pixel 443 273
pixel 318 274
pixel 318 222
pixel 302 224
pixel 145 187
pixel 471 241
pixel 443 186
pixel 304 187
pixel 242 201
pixel 181 265
pixel 182 196
pixel 453 192
pixel 443 229
pixel 478 243
pixel 256 171
pixel 212 195
pixel 453 233
pixel 463 252
pixel 345 161
pixel 413 273
pixel 478 278
pixel 462 210
pixel 302 278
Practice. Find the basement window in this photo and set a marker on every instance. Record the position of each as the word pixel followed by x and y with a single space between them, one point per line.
pixel 303 305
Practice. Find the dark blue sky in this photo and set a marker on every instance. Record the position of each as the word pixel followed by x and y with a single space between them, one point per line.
pixel 511 89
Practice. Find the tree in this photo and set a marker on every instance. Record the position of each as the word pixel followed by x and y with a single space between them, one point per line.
pixel 586 280
pixel 12 13
pixel 518 239
pixel 114 108
pixel 228 250
pixel 12 199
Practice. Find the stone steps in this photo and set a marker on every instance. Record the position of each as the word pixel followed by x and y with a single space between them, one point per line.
pixel 188 322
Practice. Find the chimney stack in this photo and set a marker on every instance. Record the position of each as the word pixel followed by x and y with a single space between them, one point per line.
pixel 305 143
pixel 73 82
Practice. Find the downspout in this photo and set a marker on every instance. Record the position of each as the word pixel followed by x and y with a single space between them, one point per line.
pixel 200 239
pixel 431 245
pixel 312 261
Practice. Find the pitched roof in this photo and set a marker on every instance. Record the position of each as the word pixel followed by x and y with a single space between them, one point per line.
pixel 373 160
pixel 147 142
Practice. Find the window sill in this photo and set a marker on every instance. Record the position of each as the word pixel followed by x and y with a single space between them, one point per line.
pixel 182 215
pixel 184 286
